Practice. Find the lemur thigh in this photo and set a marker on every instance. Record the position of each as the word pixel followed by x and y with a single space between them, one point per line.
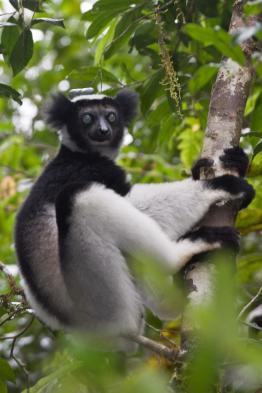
pixel 102 226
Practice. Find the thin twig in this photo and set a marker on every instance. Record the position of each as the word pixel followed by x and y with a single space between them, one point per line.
pixel 161 334
pixel 154 346
pixel 252 301
pixel 12 355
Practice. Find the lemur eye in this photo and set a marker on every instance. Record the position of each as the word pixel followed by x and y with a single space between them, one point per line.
pixel 87 118
pixel 111 117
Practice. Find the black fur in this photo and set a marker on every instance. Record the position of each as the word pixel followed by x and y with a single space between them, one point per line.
pixel 228 237
pixel 234 185
pixel 201 163
pixel 232 159
pixel 235 159
pixel 127 101
pixel 59 111
pixel 68 169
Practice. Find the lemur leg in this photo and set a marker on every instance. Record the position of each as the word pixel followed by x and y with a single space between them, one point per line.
pixel 102 226
pixel 177 207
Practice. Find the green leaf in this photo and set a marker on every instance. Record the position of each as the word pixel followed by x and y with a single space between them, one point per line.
pixel 124 29
pixel 257 149
pixel 251 102
pixel 219 38
pixel 95 75
pixel 6 371
pixel 105 40
pixel 3 387
pixel 51 21
pixel 9 92
pixel 99 23
pixel 253 7
pixel 33 5
pixel 201 77
pixel 22 51
pixel 102 13
pixel 151 89
pixel 9 38
pixel 114 7
pixel 256 118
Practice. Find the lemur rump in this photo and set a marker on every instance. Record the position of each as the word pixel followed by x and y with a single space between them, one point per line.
pixel 82 219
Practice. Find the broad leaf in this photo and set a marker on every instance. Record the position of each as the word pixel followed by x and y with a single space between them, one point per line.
pixel 9 92
pixel 201 77
pixel 219 38
pixel 9 37
pixel 124 29
pixel 22 52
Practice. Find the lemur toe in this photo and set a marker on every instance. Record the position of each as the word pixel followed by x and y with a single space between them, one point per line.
pixel 235 159
pixel 227 237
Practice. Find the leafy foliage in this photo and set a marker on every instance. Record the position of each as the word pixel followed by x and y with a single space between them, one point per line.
pixel 111 45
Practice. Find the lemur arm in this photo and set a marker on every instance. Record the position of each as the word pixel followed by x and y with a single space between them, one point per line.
pixel 179 206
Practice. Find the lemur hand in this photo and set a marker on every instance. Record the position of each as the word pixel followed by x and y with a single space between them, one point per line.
pixel 232 159
pixel 235 187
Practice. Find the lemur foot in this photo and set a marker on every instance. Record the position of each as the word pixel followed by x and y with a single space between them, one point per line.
pixel 232 159
pixel 221 237
pixel 235 186
pixel 235 159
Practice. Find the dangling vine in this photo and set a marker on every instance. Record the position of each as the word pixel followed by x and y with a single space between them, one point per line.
pixel 170 80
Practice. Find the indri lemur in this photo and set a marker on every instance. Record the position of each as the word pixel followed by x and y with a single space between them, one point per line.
pixel 82 219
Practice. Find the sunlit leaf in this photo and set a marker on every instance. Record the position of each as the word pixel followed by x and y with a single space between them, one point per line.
pixel 257 149
pixel 253 7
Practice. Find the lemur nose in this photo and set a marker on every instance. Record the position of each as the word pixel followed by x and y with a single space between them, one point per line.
pixel 104 131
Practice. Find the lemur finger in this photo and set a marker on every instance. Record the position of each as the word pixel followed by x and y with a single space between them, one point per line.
pixel 226 237
pixel 201 163
pixel 236 186
pixel 235 159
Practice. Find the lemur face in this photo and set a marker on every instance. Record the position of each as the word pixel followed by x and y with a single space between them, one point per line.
pixel 93 123
pixel 100 124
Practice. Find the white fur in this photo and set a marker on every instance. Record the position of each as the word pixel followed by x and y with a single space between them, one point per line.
pixel 88 97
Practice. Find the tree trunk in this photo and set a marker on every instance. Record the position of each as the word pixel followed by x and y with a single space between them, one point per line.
pixel 224 124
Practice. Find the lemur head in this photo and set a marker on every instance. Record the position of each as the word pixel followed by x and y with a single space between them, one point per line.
pixel 90 122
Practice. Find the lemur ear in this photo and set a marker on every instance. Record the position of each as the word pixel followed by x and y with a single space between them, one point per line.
pixel 127 100
pixel 58 111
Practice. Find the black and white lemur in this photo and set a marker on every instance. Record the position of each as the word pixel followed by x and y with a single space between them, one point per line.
pixel 82 219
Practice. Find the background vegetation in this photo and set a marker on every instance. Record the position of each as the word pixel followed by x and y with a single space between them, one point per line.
pixel 169 52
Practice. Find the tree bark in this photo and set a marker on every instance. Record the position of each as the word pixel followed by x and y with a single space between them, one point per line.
pixel 224 124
